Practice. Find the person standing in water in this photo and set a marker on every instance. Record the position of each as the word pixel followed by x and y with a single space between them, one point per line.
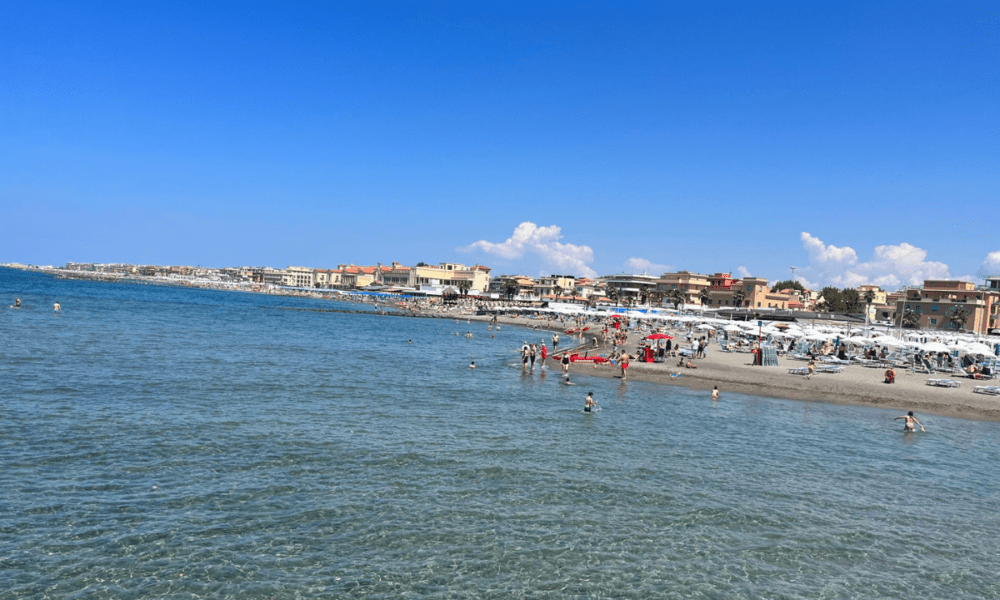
pixel 56 307
pixel 590 404
pixel 555 342
pixel 908 421
pixel 17 302
pixel 715 393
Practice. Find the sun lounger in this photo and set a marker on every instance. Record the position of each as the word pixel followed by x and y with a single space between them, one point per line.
pixel 992 390
pixel 950 383
pixel 829 369
pixel 798 371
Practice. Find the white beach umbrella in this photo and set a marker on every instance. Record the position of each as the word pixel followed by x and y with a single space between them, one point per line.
pixel 978 349
pixel 934 347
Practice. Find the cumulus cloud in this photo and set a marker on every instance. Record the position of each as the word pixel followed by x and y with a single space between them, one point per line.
pixel 991 265
pixel 540 243
pixel 742 271
pixel 890 266
pixel 642 265
pixel 821 253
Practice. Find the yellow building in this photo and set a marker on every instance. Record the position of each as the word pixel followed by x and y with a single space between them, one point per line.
pixel 690 285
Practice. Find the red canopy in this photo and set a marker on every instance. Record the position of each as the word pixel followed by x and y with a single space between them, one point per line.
pixel 659 336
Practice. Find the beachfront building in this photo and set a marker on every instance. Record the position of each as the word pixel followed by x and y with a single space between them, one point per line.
pixel 586 288
pixel 512 287
pixel 298 277
pixel 473 280
pixel 629 288
pixel 354 277
pixel 878 294
pixel 749 292
pixel 267 275
pixel 948 304
pixel 328 278
pixel 556 286
pixel 395 275
pixel 683 284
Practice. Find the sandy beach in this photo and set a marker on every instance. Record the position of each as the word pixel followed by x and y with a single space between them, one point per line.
pixel 733 372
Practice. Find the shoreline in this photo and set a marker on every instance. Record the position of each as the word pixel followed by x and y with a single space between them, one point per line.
pixel 730 371
pixel 855 386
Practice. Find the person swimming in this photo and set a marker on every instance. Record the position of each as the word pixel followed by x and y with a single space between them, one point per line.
pixel 472 365
pixel 908 421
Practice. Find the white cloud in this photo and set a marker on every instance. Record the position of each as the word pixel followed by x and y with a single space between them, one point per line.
pixel 642 265
pixel 542 243
pixel 890 267
pixel 742 271
pixel 991 265
pixel 820 252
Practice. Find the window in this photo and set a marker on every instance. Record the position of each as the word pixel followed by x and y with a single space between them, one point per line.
pixel 934 309
pixel 933 321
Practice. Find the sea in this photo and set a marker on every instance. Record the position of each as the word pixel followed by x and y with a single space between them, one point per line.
pixel 168 442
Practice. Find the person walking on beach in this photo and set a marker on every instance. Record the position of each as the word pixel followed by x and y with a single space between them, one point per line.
pixel 565 363
pixel 590 404
pixel 624 364
pixel 908 421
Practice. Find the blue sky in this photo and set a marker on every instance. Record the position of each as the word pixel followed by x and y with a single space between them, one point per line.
pixel 856 141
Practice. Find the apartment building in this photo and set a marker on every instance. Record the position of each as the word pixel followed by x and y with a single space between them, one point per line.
pixel 938 304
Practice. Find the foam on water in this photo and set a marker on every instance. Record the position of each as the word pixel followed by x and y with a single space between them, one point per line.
pixel 161 442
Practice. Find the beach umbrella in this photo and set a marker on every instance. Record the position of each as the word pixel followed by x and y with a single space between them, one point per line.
pixel 935 347
pixel 659 336
pixel 705 326
pixel 978 349
pixel 732 328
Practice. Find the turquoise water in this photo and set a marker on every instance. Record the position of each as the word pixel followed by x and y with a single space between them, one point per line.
pixel 177 443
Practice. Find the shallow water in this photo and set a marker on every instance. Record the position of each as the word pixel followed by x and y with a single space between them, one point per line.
pixel 177 443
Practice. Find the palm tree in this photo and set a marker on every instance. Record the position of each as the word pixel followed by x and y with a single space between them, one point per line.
pixel 958 316
pixel 677 297
pixel 557 291
pixel 614 295
pixel 739 297
pixel 703 296
pixel 510 289
pixel 911 320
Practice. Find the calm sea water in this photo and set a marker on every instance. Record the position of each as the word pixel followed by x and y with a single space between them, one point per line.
pixel 174 443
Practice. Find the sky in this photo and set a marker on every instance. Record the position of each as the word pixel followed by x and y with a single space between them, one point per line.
pixel 855 141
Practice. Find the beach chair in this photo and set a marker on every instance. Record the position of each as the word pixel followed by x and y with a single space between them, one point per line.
pixel 724 344
pixel 798 371
pixel 948 383
pixel 992 390
pixel 832 369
